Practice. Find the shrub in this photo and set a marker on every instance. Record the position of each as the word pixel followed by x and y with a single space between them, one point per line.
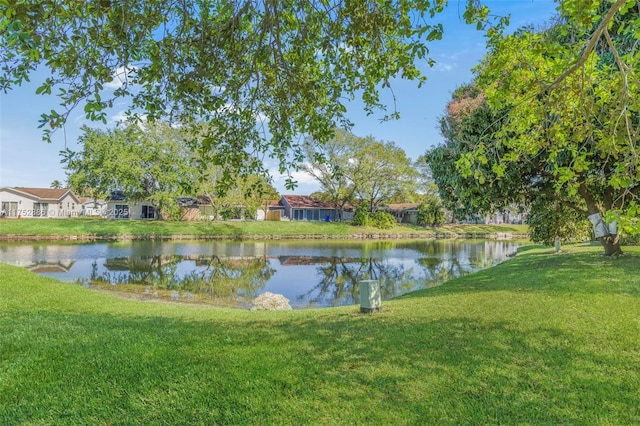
pixel 430 213
pixel 361 217
pixel 548 220
pixel 383 220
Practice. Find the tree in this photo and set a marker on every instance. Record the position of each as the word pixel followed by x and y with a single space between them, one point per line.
pixel 56 184
pixel 261 193
pixel 426 185
pixel 354 169
pixel 467 126
pixel 551 222
pixel 381 172
pixel 567 102
pixel 260 73
pixel 513 137
pixel 241 200
pixel 430 212
pixel 147 163
pixel 331 165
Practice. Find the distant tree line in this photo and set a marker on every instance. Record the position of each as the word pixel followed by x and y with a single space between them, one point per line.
pixel 156 162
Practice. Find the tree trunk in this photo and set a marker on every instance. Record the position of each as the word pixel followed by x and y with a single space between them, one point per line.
pixel 607 234
pixel 611 244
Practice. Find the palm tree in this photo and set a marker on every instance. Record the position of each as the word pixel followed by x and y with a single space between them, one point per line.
pixel 56 184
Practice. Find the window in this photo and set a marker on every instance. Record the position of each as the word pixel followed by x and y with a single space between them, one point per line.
pixel 10 208
pixel 40 209
pixel 121 211
pixel 326 214
pixel 148 212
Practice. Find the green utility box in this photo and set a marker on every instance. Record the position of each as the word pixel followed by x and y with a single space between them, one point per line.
pixel 370 300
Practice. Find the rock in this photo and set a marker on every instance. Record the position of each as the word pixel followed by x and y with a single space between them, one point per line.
pixel 271 302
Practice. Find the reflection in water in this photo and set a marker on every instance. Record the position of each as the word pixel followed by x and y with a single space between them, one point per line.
pixel 234 273
pixel 212 279
pixel 50 267
pixel 338 280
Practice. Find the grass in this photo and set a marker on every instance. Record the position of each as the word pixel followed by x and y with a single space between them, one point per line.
pixel 230 229
pixel 541 339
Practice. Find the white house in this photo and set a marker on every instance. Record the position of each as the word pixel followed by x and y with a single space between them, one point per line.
pixel 22 202
pixel 119 207
pixel 511 214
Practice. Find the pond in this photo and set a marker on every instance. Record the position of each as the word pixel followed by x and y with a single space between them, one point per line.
pixel 309 273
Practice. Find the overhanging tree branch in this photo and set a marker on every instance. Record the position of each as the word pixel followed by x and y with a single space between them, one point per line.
pixel 590 45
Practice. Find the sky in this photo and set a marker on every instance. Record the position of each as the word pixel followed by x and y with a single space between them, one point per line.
pixel 27 161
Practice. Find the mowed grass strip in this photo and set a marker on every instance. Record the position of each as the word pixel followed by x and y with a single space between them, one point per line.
pixel 226 229
pixel 541 339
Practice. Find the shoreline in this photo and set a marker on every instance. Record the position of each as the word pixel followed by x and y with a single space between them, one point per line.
pixel 214 237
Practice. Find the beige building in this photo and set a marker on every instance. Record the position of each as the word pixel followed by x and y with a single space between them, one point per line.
pixel 19 202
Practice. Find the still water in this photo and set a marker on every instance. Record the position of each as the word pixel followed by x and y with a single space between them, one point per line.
pixel 229 273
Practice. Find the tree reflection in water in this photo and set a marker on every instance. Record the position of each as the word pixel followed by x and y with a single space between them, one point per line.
pixel 308 273
pixel 339 277
pixel 459 258
pixel 210 279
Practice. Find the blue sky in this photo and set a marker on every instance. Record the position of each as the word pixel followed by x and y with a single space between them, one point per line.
pixel 25 160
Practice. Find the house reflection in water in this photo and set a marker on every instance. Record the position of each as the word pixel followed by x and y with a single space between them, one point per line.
pixel 61 266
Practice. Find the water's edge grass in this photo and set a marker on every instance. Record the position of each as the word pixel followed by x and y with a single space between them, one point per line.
pixel 103 229
pixel 540 339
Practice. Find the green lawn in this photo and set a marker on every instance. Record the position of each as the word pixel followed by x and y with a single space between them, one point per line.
pixel 228 229
pixel 541 339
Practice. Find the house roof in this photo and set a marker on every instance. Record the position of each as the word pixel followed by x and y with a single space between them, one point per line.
pixel 306 202
pixel 85 200
pixel 194 202
pixel 46 193
pixel 116 196
pixel 204 199
pixel 402 207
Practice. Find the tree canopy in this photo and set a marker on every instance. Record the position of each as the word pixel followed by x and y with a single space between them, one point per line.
pixel 331 166
pixel 552 114
pixel 261 73
pixel 352 169
pixel 151 163
pixel 383 172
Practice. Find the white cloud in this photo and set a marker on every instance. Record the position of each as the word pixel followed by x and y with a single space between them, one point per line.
pixel 301 177
pixel 121 117
pixel 306 184
pixel 120 77
pixel 443 67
